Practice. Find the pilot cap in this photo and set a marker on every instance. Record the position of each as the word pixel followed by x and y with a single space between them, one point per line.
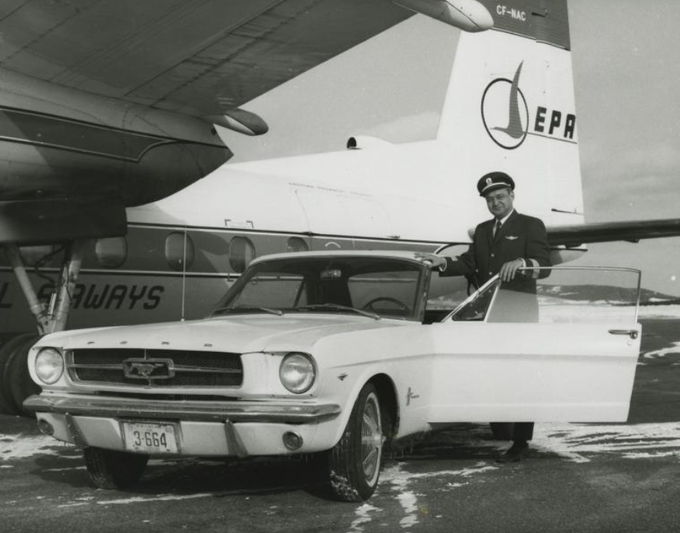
pixel 493 181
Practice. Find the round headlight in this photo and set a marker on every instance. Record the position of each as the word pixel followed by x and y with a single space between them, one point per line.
pixel 297 372
pixel 49 365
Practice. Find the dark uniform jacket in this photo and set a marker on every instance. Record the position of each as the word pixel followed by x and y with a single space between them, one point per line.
pixel 521 236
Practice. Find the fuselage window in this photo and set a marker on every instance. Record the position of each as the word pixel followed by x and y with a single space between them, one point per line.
pixel 111 252
pixel 241 253
pixel 296 244
pixel 179 251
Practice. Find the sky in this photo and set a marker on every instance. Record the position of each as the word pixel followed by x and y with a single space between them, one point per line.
pixel 626 71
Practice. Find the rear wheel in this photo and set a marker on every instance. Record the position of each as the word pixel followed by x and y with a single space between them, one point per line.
pixel 354 463
pixel 110 469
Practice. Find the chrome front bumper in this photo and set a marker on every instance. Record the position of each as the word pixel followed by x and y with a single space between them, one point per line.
pixel 240 411
pixel 239 428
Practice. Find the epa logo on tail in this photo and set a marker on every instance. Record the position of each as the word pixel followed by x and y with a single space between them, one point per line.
pixel 505 114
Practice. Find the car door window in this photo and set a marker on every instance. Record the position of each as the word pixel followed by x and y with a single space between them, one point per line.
pixel 587 295
pixel 560 295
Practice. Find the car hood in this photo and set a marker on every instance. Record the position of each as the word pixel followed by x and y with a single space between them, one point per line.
pixel 235 334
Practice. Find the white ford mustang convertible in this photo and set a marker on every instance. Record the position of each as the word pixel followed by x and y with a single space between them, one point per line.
pixel 335 354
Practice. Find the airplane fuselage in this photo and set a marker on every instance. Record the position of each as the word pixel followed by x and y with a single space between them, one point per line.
pixel 180 254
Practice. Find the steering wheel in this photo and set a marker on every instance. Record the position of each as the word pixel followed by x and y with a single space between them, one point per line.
pixel 399 303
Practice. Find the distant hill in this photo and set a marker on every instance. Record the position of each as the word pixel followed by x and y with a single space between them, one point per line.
pixel 607 293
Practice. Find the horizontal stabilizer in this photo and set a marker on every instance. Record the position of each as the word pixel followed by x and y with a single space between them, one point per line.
pixel 631 231
pixel 62 219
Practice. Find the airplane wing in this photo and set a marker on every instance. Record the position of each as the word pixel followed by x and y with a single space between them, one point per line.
pixel 108 104
pixel 197 57
pixel 631 231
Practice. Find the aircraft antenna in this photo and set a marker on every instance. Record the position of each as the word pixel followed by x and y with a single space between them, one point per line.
pixel 184 271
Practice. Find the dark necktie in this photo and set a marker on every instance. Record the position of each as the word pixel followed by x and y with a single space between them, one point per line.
pixel 497 227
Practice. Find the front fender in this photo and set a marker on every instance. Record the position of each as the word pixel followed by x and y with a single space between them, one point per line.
pixel 346 392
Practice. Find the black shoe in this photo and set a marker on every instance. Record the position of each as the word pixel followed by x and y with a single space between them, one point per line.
pixel 517 452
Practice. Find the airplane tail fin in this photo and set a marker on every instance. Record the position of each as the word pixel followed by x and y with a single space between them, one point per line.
pixel 510 107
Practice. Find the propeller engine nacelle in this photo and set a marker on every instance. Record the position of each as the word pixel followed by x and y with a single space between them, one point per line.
pixel 71 162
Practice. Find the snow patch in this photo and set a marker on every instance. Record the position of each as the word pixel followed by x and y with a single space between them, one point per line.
pixel 675 348
pixel 637 441
pixel 400 479
pixel 159 498
pixel 21 446
pixel 79 504
pixel 409 503
pixel 70 469
pixel 651 455
pixel 363 516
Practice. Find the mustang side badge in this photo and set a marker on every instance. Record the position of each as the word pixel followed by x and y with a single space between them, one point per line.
pixel 410 395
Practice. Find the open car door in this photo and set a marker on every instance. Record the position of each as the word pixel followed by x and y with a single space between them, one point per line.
pixel 563 348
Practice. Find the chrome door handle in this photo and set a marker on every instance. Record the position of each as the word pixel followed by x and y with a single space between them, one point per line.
pixel 633 334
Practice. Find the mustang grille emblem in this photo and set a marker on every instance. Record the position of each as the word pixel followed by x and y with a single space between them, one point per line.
pixel 148 368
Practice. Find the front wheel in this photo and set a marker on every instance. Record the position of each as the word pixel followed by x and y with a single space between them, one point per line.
pixel 354 463
pixel 110 469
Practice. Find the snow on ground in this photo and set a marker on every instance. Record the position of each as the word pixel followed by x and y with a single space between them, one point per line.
pixel 363 517
pixel 579 443
pixel 655 354
pixel 157 498
pixel 400 481
pixel 632 441
pixel 20 446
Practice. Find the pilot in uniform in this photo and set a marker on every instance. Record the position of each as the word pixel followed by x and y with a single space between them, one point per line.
pixel 502 245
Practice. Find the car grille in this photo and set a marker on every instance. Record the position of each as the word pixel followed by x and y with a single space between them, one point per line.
pixel 155 368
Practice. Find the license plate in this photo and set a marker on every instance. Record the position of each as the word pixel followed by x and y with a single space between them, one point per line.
pixel 150 437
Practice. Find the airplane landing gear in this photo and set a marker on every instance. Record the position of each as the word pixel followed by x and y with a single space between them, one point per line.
pixel 15 382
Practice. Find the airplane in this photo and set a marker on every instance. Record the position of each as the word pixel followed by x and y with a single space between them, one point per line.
pixel 109 105
pixel 163 227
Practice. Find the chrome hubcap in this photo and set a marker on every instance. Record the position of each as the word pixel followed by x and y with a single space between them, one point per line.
pixel 371 439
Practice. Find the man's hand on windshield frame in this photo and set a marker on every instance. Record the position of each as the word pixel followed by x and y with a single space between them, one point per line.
pixel 436 261
pixel 509 269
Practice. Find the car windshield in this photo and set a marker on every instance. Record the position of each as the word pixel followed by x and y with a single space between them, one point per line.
pixel 363 286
